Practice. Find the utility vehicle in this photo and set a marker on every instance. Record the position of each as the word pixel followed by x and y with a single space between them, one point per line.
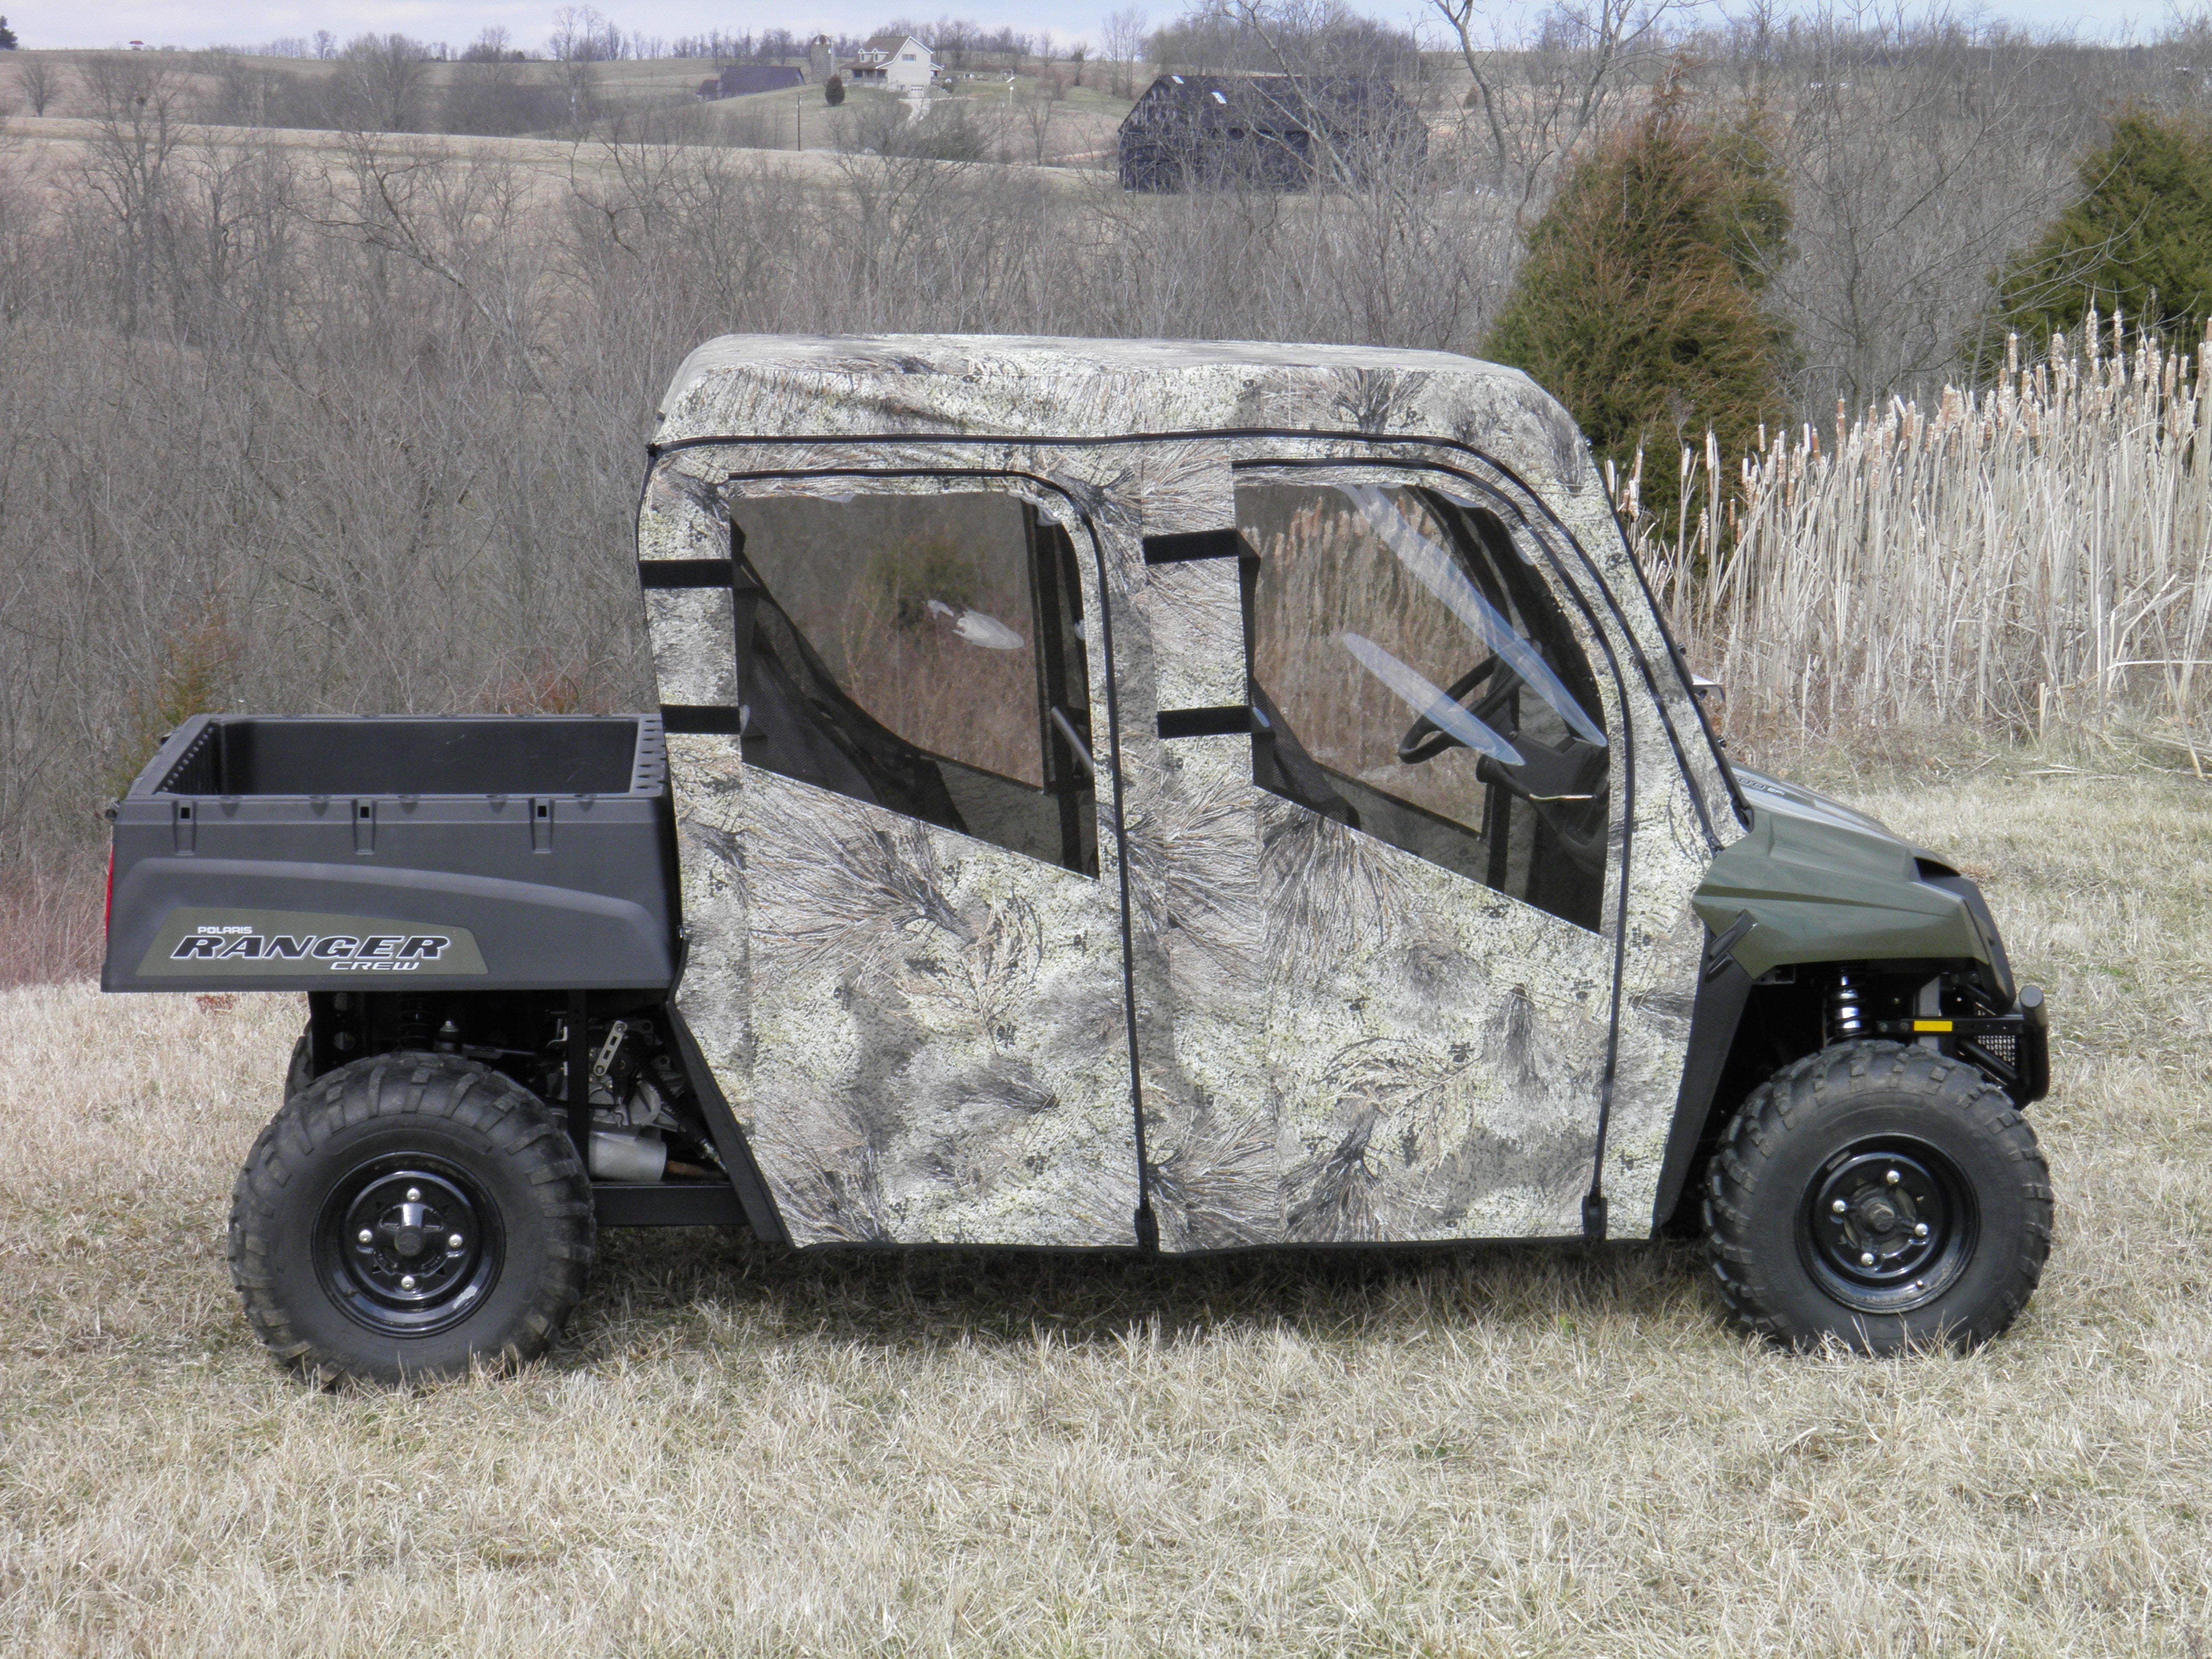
pixel 1104 795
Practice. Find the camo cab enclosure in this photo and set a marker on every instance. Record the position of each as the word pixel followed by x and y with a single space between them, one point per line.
pixel 1179 795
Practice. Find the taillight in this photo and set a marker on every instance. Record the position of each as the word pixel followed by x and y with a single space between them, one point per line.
pixel 107 915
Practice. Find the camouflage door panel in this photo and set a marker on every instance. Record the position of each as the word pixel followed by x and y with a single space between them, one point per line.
pixel 920 1028
pixel 1347 1041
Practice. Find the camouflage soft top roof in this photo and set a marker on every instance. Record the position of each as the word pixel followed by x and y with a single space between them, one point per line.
pixel 768 386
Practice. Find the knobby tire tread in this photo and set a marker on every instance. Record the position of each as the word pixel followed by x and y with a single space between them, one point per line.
pixel 1793 1099
pixel 395 1087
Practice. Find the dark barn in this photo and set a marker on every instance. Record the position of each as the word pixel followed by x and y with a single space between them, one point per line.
pixel 740 79
pixel 1263 131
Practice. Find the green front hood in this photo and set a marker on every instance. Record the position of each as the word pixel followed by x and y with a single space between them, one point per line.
pixel 1821 883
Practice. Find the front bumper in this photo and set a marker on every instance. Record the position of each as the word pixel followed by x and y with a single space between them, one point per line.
pixel 2013 1049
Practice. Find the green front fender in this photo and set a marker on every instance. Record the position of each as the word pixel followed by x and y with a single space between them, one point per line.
pixel 1821 883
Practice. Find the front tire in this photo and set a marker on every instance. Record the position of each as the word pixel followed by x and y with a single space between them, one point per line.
pixel 408 1216
pixel 1882 1195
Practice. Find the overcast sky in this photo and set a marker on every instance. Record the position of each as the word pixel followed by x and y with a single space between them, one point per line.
pixel 166 22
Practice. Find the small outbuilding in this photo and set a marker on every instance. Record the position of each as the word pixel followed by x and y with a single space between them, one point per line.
pixel 898 61
pixel 1264 132
pixel 741 80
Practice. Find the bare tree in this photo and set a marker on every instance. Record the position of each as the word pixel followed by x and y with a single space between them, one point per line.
pixel 1286 37
pixel 383 84
pixel 465 224
pixel 40 79
pixel 135 104
pixel 18 243
pixel 1538 100
pixel 580 35
pixel 1038 108
pixel 1921 153
pixel 1121 38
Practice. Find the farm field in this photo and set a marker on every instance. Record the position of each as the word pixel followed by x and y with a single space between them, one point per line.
pixel 54 145
pixel 1075 125
pixel 1488 1451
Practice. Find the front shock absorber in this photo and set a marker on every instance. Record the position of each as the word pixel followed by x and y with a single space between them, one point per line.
pixel 1846 1011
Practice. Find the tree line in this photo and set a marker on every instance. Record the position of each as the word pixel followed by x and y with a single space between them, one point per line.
pixel 356 428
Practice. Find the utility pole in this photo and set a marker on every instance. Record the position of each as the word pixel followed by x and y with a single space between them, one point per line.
pixel 798 116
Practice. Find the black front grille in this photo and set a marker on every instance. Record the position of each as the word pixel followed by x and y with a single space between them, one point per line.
pixel 2000 1047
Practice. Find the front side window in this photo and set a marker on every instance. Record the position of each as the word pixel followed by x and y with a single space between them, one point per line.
pixel 1415 677
pixel 924 653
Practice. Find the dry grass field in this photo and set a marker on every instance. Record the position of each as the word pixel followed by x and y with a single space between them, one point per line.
pixel 1472 1453
pixel 55 147
pixel 1077 128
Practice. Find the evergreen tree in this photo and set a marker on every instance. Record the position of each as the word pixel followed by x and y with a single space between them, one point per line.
pixel 1638 304
pixel 833 91
pixel 2140 238
pixel 7 36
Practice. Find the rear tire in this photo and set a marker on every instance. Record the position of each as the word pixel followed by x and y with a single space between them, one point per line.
pixel 1883 1196
pixel 408 1216
pixel 299 1071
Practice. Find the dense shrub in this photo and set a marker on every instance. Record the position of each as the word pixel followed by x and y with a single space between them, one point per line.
pixel 2140 238
pixel 1638 305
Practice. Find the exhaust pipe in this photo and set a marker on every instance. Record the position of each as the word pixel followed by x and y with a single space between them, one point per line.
pixel 619 1157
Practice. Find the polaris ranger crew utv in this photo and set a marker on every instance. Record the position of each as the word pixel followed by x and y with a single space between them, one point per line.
pixel 1105 794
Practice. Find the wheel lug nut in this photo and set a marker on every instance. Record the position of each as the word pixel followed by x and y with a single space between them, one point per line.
pixel 365 1235
pixel 407 1280
pixel 454 1240
pixel 415 1193
pixel 1920 1229
pixel 1840 1207
pixel 1892 1177
pixel 1866 1260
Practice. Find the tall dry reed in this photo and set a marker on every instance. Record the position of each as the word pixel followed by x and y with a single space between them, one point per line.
pixel 2031 557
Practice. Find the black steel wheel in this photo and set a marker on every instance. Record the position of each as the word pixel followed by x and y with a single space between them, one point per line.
pixel 1888 1224
pixel 408 1216
pixel 407 1244
pixel 1881 1195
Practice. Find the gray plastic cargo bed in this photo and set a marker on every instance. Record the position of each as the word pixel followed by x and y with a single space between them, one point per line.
pixel 493 853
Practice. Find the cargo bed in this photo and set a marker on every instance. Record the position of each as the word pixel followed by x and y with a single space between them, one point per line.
pixel 489 853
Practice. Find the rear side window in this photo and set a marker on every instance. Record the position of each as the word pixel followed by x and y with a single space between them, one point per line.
pixel 1415 678
pixel 910 651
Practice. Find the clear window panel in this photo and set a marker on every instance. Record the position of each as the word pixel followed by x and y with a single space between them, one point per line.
pixel 1416 677
pixel 910 650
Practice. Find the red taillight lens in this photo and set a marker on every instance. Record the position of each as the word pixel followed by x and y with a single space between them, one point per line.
pixel 107 915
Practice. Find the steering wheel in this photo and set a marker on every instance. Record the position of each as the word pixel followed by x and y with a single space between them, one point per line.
pixel 1550 779
pixel 1423 740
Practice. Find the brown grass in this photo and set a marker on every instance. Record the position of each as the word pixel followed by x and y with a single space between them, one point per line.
pixel 50 915
pixel 60 142
pixel 1496 1451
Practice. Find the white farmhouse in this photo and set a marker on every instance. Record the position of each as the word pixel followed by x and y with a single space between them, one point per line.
pixel 898 61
